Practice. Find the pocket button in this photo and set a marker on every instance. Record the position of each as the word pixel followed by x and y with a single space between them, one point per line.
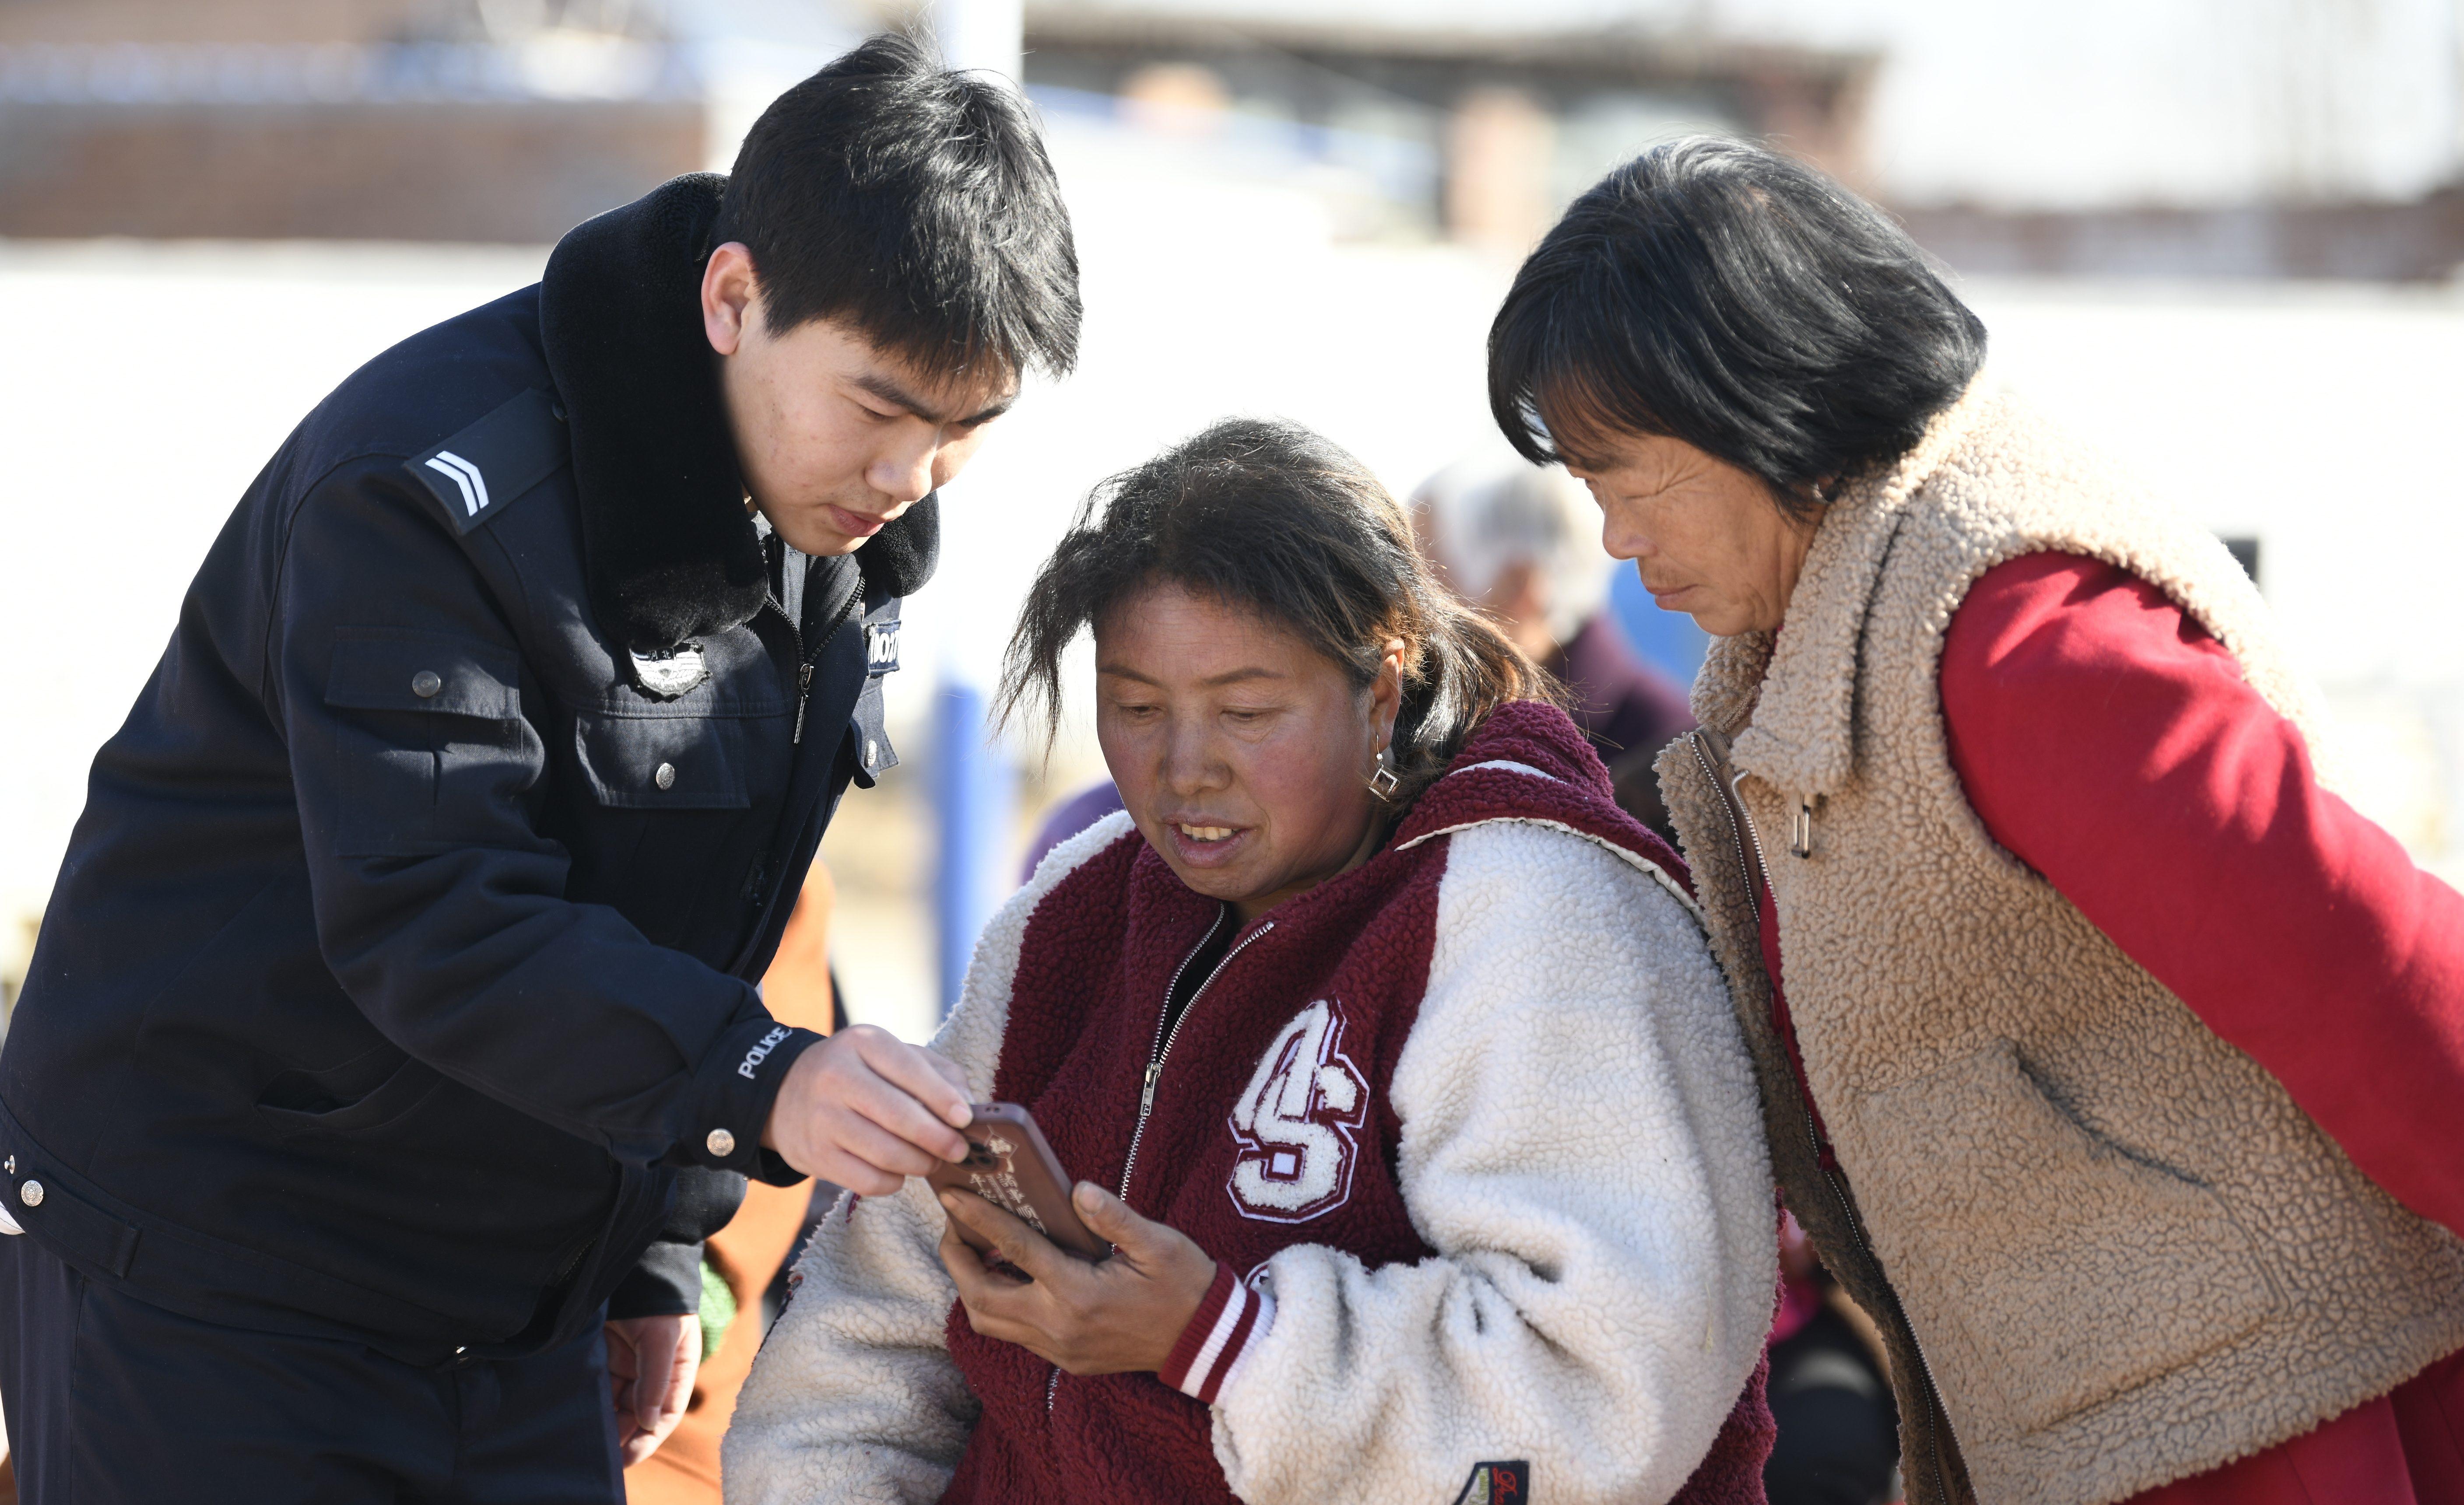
pixel 425 684
pixel 30 1193
pixel 721 1143
pixel 666 777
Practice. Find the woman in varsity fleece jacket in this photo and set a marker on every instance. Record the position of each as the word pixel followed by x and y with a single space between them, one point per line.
pixel 1408 1090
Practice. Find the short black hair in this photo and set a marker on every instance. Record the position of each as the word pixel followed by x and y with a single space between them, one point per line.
pixel 1724 295
pixel 915 205
pixel 1276 520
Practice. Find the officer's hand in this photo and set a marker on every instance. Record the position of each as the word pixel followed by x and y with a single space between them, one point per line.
pixel 1119 1317
pixel 651 1365
pixel 866 1110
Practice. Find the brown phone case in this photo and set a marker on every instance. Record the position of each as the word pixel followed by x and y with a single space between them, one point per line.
pixel 1009 1165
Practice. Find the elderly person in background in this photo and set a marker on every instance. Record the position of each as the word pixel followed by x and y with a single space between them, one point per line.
pixel 2115 1065
pixel 1521 544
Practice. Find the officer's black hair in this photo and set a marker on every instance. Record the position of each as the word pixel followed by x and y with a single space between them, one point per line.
pixel 1730 296
pixel 1275 519
pixel 916 205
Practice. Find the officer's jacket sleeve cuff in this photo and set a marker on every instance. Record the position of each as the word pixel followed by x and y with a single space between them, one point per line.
pixel 666 1283
pixel 738 1082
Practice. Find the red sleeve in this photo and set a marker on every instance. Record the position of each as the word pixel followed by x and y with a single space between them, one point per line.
pixel 2110 742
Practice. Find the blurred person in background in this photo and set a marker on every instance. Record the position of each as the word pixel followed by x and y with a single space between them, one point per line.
pixel 392 1039
pixel 1066 819
pixel 1522 544
pixel 2112 1062
pixel 1438 1173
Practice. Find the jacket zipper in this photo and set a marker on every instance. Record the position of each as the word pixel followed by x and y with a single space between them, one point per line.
pixel 805 662
pixel 1741 832
pixel 1155 1064
pixel 758 882
pixel 1163 1040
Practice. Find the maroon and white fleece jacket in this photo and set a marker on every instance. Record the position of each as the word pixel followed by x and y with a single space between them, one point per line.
pixel 1471 1129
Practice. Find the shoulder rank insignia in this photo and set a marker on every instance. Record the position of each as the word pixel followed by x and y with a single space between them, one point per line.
pixel 483 469
pixel 1497 1484
pixel 669 673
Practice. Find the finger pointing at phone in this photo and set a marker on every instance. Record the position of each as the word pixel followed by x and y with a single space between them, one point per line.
pixel 1119 1317
pixel 866 1110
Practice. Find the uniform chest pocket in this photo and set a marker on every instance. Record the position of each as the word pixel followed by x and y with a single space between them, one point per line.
pixel 428 740
pixel 638 761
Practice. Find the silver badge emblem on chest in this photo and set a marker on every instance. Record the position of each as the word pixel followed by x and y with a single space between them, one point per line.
pixel 669 673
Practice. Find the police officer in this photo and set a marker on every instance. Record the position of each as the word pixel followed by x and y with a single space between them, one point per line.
pixel 392 1037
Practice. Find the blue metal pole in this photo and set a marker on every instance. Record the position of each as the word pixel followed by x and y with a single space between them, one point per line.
pixel 971 799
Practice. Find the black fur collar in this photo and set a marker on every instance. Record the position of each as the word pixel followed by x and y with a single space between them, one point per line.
pixel 670 550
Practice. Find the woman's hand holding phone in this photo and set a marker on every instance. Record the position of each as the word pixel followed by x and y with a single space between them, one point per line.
pixel 1121 1316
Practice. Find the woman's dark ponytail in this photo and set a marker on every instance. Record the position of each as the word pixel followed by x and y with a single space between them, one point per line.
pixel 1467 668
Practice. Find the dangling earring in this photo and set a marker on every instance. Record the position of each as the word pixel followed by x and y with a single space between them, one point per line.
pixel 1382 781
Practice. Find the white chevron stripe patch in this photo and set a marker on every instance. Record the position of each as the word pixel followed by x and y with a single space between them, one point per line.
pixel 467 477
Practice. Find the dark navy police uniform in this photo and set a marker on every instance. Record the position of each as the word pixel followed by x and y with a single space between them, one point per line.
pixel 393 1019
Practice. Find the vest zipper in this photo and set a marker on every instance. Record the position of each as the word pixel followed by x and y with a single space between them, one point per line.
pixel 1154 1065
pixel 1749 860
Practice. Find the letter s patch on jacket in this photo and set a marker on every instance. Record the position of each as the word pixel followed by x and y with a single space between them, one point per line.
pixel 1297 1123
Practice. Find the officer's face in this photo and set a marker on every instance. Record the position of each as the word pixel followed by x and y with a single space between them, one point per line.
pixel 835 437
pixel 1242 752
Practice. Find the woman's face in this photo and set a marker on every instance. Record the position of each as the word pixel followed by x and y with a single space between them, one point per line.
pixel 1243 753
pixel 1702 533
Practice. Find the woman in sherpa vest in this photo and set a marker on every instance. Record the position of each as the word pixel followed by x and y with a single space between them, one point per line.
pixel 2115 1066
pixel 1390 1051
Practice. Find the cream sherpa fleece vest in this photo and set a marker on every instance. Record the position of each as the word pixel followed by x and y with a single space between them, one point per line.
pixel 2106 1248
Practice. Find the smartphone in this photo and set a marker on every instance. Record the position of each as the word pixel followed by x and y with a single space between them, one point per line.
pixel 1009 1165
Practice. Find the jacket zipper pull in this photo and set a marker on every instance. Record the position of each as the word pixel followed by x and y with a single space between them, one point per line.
pixel 803 692
pixel 1146 1097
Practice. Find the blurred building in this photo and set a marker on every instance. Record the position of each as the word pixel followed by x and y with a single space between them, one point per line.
pixel 2316 139
pixel 511 119
pixel 2185 139
pixel 1416 129
pixel 2354 240
pixel 376 119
